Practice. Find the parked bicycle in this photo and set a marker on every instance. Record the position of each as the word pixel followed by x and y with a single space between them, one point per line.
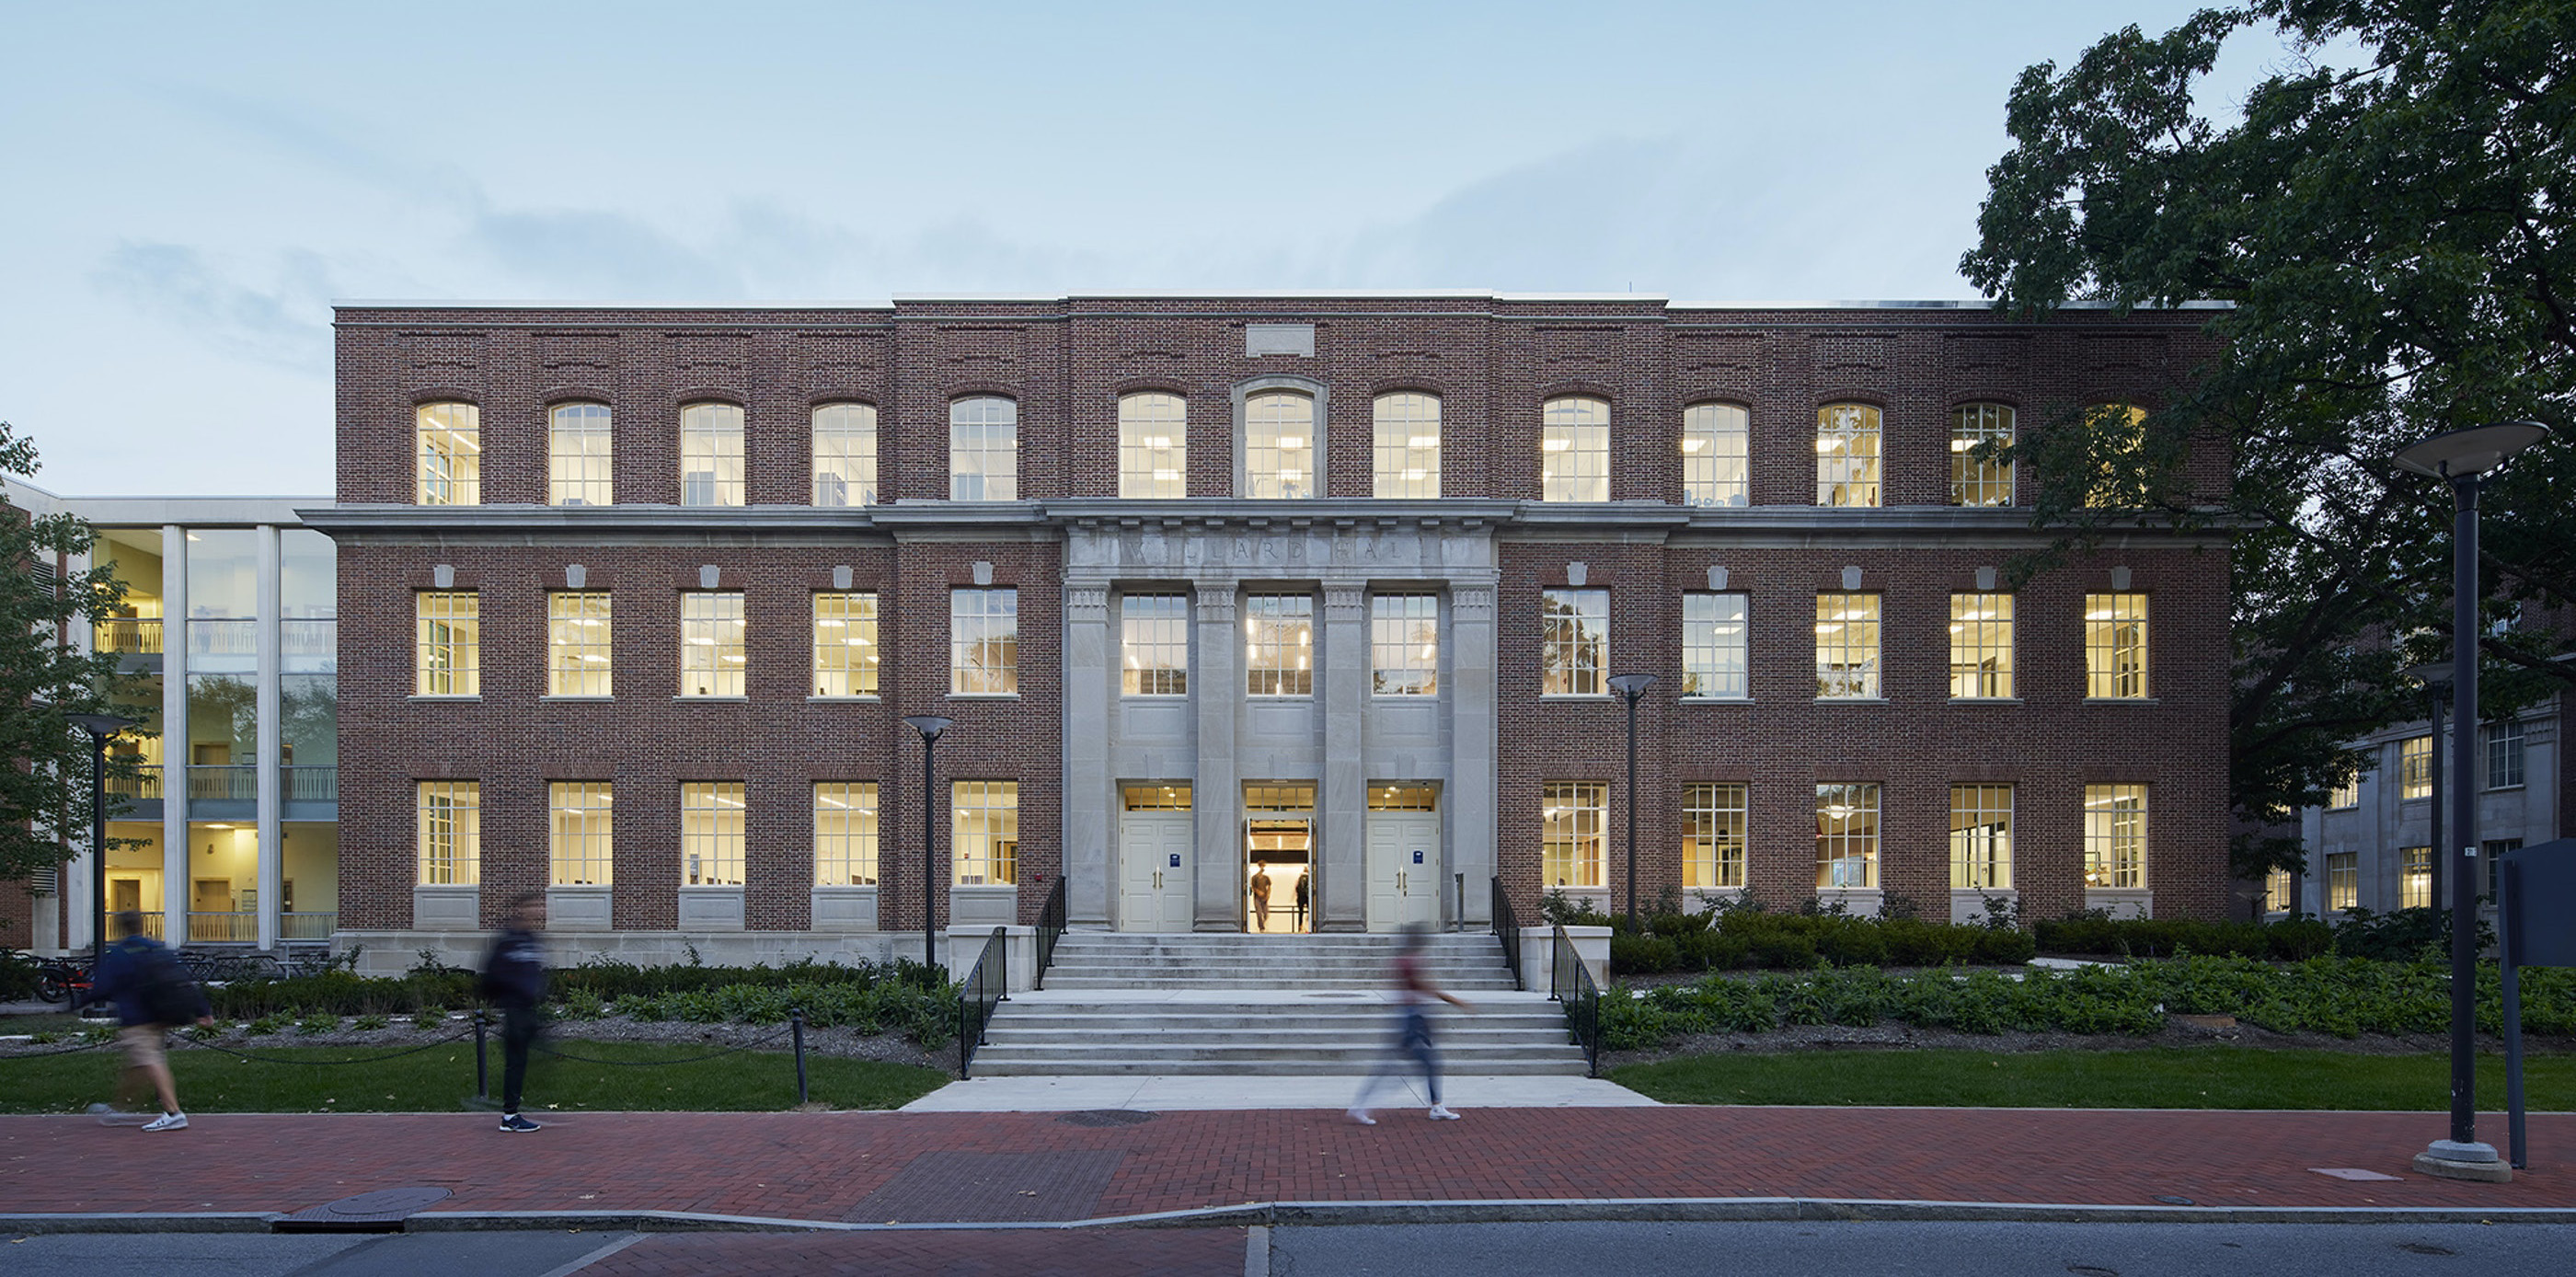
pixel 60 978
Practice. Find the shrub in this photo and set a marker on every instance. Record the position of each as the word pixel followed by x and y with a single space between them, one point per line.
pixel 1562 910
pixel 371 1023
pixel 2403 935
pixel 265 1025
pixel 2094 935
pixel 17 976
pixel 324 1023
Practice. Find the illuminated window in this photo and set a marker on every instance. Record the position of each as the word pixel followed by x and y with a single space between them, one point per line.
pixel 2504 753
pixel 2415 881
pixel 1846 836
pixel 2115 646
pixel 451 454
pixel 984 449
pixel 1713 823
pixel 1717 452
pixel 2415 768
pixel 2115 836
pixel 1279 645
pixel 1153 445
pixel 1976 478
pixel 2119 433
pixel 711 833
pixel 1408 444
pixel 1847 438
pixel 1574 449
pixel 1981 646
pixel 1155 635
pixel 845 645
pixel 1981 856
pixel 579 460
pixel 1714 646
pixel 581 833
pixel 1404 645
pixel 711 455
pixel 449 661
pixel 1279 446
pixel 1846 646
pixel 1573 842
pixel 2345 794
pixel 984 642
pixel 845 454
pixel 845 833
pixel 2279 894
pixel 712 655
pixel 577 646
pixel 451 833
pixel 1574 642
pixel 2343 880
pixel 986 830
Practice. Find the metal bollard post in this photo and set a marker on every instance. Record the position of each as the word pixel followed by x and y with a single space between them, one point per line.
pixel 482 1069
pixel 796 1022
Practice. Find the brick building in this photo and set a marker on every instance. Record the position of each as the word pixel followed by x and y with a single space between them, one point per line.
pixel 1322 591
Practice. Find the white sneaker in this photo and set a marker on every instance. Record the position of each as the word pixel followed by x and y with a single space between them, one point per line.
pixel 1362 1117
pixel 168 1122
pixel 110 1115
pixel 1440 1114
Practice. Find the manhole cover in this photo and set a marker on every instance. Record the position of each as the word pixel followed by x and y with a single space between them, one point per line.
pixel 1106 1117
pixel 381 1211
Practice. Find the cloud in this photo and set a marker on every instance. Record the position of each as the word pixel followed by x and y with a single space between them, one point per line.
pixel 279 324
pixel 596 254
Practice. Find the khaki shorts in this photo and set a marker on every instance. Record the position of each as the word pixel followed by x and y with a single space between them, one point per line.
pixel 145 1045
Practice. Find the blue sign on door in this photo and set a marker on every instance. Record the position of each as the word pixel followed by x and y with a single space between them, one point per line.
pixel 1417 855
pixel 1176 860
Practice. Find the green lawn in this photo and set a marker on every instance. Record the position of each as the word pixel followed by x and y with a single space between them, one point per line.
pixel 2165 1077
pixel 440 1079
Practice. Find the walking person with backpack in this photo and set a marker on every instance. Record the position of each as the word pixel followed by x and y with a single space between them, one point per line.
pixel 514 978
pixel 153 995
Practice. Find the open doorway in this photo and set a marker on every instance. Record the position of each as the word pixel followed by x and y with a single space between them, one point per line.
pixel 1278 858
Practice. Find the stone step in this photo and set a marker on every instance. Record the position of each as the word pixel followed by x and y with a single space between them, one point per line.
pixel 1379 1023
pixel 1491 984
pixel 1154 1042
pixel 1365 971
pixel 1352 1059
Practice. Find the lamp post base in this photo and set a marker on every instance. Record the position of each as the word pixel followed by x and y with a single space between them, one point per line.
pixel 2450 1159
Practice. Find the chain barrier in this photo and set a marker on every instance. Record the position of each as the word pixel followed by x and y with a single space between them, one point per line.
pixel 693 1059
pixel 185 1040
pixel 68 1050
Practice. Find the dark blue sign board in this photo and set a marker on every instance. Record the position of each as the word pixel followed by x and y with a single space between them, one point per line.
pixel 2535 899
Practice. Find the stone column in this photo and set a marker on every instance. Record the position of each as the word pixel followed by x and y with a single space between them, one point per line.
pixel 1090 659
pixel 1216 790
pixel 271 869
pixel 1471 800
pixel 1341 796
pixel 174 734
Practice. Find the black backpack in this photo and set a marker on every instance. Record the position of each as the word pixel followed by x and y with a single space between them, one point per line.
pixel 165 994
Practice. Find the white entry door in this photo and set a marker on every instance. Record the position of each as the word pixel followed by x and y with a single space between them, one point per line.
pixel 1403 869
pixel 1154 854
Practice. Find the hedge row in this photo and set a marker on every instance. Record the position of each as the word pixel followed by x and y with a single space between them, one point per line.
pixel 2288 941
pixel 1745 938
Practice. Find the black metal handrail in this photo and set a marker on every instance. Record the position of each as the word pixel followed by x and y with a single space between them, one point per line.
pixel 1507 928
pixel 987 984
pixel 1050 929
pixel 1571 983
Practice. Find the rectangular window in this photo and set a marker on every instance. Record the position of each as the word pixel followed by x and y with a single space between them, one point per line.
pixel 450 661
pixel 987 831
pixel 1573 840
pixel 1717 451
pixel 1154 631
pixel 1153 445
pixel 2115 646
pixel 2343 880
pixel 2504 753
pixel 2120 433
pixel 580 465
pixel 845 833
pixel 2115 836
pixel 1976 479
pixel 2345 794
pixel 581 834
pixel 711 455
pixel 1404 645
pixel 1279 645
pixel 1846 836
pixel 984 642
pixel 451 833
pixel 1408 445
pixel 1847 446
pixel 2489 852
pixel 1574 449
pixel 2415 884
pixel 1981 646
pixel 1713 823
pixel 2415 768
pixel 1846 646
pixel 1574 642
pixel 1981 854
pixel 1279 447
pixel 577 632
pixel 451 453
pixel 2278 892
pixel 1715 648
pixel 845 645
pixel 845 454
pixel 984 449
pixel 711 834
pixel 712 655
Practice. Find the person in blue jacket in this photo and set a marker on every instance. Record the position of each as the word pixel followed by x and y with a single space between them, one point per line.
pixel 514 978
pixel 153 995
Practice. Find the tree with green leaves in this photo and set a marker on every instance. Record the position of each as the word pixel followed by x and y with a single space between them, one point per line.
pixel 2392 219
pixel 46 785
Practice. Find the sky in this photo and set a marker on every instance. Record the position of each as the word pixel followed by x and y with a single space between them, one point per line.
pixel 191 186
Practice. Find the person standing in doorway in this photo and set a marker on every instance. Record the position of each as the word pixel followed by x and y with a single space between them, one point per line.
pixel 1305 879
pixel 1414 993
pixel 153 995
pixel 1260 895
pixel 514 978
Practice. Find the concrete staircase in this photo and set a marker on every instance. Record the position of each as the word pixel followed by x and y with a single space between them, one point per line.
pixel 1217 1004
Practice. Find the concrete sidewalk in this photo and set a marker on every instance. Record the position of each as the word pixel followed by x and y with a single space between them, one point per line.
pixel 1177 1092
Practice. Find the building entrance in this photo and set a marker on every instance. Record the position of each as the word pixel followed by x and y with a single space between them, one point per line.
pixel 1278 859
pixel 1156 849
pixel 1404 861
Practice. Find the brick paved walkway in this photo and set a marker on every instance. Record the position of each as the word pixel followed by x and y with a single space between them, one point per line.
pixel 1129 1252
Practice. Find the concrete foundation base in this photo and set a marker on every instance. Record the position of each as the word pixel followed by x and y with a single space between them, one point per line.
pixel 2494 1170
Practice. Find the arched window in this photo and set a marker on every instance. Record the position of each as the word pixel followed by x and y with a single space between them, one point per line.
pixel 1847 438
pixel 1153 445
pixel 1408 444
pixel 1976 479
pixel 1279 446
pixel 1717 446
pixel 579 462
pixel 983 449
pixel 451 454
pixel 845 454
pixel 1574 449
pixel 711 454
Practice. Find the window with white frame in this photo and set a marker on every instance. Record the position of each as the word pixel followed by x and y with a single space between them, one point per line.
pixel 1574 827
pixel 1977 476
pixel 1574 642
pixel 712 653
pixel 2504 753
pixel 1279 645
pixel 2115 836
pixel 711 454
pixel 2280 894
pixel 1847 447
pixel 2343 880
pixel 1404 645
pixel 845 833
pixel 984 642
pixel 2115 646
pixel 1981 647
pixel 711 833
pixel 2415 768
pixel 1153 445
pixel 1981 857
pixel 1154 638
pixel 580 459
pixel 1846 646
pixel 845 454
pixel 986 831
pixel 451 453
pixel 2345 793
pixel 1574 449
pixel 580 833
pixel 449 646
pixel 845 644
pixel 1717 454
pixel 1713 824
pixel 1846 836
pixel 451 832
pixel 2415 881
pixel 1279 446
pixel 1408 444
pixel 984 449
pixel 577 643
pixel 1715 649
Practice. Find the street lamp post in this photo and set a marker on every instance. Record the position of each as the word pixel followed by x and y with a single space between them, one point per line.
pixel 2436 678
pixel 2463 459
pixel 100 727
pixel 1632 686
pixel 930 726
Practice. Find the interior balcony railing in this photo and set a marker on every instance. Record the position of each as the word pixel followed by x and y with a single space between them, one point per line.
pixel 231 927
pixel 223 784
pixel 223 636
pixel 308 644
pixel 143 786
pixel 130 635
pixel 313 924
pixel 312 784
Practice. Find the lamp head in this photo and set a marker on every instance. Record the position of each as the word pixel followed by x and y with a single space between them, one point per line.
pixel 929 725
pixel 2434 675
pixel 1631 685
pixel 100 725
pixel 2466 454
